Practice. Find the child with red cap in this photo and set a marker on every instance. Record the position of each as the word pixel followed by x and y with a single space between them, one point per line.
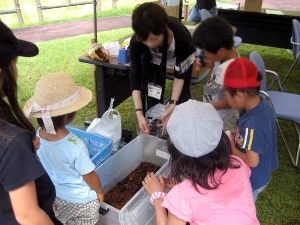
pixel 255 140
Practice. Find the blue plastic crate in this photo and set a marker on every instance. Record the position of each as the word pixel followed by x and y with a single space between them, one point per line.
pixel 99 147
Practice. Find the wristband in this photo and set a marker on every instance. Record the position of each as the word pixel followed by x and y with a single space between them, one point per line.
pixel 138 110
pixel 157 195
pixel 173 102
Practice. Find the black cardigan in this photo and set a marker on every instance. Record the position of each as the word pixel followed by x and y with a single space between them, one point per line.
pixel 141 62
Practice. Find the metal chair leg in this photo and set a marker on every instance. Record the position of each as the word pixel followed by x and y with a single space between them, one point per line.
pixel 295 163
pixel 298 151
pixel 290 70
pixel 286 144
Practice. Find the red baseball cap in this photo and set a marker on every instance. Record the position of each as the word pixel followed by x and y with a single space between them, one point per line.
pixel 240 73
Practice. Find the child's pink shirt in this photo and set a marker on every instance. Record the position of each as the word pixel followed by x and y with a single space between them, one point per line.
pixel 230 204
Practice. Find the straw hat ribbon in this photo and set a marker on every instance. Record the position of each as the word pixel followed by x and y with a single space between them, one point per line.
pixel 55 95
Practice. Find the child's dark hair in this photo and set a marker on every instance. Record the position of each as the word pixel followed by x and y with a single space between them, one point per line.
pixel 201 171
pixel 249 91
pixel 149 18
pixel 58 121
pixel 213 34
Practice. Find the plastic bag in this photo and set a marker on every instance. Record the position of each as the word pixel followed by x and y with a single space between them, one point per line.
pixel 112 48
pixel 153 116
pixel 108 126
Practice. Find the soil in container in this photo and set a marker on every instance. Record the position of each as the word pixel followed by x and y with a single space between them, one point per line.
pixel 119 195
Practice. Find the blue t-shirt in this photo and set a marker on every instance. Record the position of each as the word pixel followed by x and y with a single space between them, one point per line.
pixel 256 131
pixel 66 161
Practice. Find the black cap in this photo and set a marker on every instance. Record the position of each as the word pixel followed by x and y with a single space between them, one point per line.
pixel 10 46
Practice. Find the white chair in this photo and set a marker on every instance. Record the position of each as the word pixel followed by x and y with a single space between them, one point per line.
pixel 295 40
pixel 284 105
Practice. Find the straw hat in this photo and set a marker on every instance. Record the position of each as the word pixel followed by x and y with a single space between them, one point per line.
pixel 59 94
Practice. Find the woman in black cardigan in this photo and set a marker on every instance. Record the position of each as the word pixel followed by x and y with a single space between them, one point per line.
pixel 159 42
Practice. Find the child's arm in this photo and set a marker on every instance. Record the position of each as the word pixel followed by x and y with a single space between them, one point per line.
pixel 93 181
pixel 163 218
pixel 151 185
pixel 160 212
pixel 174 220
pixel 251 158
pixel 223 104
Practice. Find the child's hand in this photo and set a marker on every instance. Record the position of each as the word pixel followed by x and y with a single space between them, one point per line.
pixel 36 143
pixel 100 196
pixel 233 147
pixel 168 182
pixel 233 134
pixel 197 64
pixel 152 184
pixel 209 63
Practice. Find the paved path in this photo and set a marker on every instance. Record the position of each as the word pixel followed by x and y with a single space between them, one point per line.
pixel 293 5
pixel 43 33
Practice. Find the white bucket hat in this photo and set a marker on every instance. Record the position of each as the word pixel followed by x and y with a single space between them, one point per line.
pixel 195 128
pixel 56 94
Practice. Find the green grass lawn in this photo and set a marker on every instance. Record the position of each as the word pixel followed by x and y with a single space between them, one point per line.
pixel 279 204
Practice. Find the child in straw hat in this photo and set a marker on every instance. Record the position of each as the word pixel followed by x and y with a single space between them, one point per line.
pixel 65 156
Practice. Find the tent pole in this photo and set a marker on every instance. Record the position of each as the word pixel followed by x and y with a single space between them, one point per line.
pixel 95 20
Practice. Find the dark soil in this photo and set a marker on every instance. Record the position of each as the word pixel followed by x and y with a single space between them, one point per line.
pixel 119 195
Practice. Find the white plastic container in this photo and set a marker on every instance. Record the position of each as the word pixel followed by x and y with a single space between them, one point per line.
pixel 139 210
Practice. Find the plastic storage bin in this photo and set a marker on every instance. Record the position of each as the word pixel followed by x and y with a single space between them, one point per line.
pixel 99 147
pixel 139 210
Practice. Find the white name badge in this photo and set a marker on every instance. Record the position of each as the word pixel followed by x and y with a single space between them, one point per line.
pixel 154 91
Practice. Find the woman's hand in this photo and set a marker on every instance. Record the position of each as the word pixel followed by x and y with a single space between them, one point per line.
pixel 166 116
pixel 143 124
pixel 152 184
pixel 36 143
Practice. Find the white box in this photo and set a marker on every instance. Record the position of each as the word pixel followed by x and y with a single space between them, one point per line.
pixel 139 210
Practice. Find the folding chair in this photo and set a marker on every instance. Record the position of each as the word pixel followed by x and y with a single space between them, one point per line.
pixel 295 40
pixel 284 105
pixel 194 80
pixel 205 14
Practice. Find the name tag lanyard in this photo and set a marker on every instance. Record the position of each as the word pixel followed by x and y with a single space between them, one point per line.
pixel 155 90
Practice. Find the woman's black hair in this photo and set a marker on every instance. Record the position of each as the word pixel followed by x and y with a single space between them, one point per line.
pixel 149 18
pixel 202 171
pixel 59 121
pixel 213 34
pixel 10 110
